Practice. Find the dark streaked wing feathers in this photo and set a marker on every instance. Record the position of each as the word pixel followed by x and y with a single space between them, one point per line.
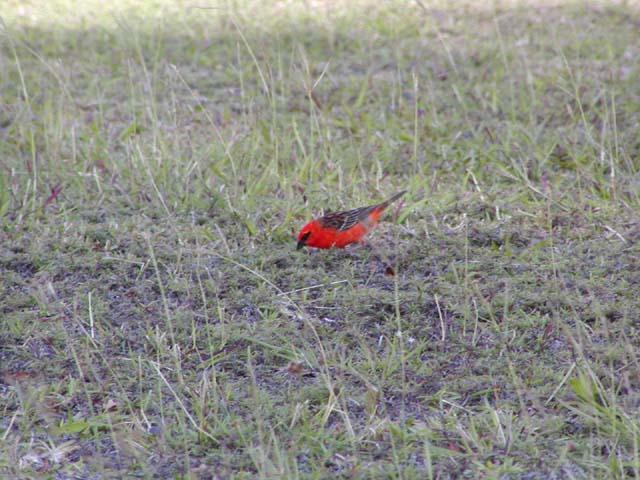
pixel 341 221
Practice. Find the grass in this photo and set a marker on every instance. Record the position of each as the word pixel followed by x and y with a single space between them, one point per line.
pixel 156 160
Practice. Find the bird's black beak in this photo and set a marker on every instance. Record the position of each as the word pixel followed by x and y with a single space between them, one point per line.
pixel 302 240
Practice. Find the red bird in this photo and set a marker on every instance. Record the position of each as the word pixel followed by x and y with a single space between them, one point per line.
pixel 339 229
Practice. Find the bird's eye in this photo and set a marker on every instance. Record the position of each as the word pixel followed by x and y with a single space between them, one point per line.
pixel 305 236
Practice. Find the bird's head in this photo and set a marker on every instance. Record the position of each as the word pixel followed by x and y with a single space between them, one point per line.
pixel 305 232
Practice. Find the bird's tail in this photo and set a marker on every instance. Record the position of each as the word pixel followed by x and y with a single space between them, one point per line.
pixel 386 203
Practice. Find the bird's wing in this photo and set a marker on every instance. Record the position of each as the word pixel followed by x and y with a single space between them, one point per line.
pixel 345 220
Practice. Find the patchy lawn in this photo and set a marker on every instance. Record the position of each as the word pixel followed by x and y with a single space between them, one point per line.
pixel 157 159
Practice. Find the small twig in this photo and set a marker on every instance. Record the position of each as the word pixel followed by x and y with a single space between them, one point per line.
pixel 455 405
pixel 562 382
pixel 319 285
pixel 476 184
pixel 443 336
pixel 615 232
pixel 91 322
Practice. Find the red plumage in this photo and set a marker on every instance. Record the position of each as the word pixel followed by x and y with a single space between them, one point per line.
pixel 339 229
